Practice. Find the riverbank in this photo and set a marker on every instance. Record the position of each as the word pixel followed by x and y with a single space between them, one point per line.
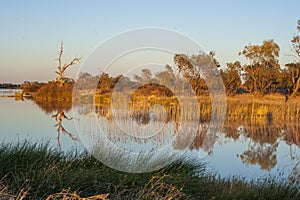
pixel 35 171
pixel 271 108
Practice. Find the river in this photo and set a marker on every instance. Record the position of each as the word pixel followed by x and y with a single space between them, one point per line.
pixel 242 149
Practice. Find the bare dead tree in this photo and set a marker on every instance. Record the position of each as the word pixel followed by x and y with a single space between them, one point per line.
pixel 61 79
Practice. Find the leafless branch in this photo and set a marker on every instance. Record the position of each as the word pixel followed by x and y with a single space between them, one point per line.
pixel 59 116
pixel 292 55
pixel 55 117
pixel 73 62
pixel 61 69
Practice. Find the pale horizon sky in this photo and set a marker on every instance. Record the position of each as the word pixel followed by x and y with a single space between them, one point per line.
pixel 31 31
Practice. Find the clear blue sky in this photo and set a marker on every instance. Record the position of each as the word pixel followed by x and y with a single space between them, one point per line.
pixel 31 30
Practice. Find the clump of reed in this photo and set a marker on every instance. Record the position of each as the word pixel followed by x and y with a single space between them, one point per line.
pixel 241 107
pixel 249 107
pixel 43 172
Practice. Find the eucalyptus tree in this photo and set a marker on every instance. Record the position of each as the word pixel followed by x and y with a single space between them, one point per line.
pixel 263 66
pixel 296 42
pixel 292 78
pixel 166 77
pixel 231 77
pixel 293 69
pixel 198 69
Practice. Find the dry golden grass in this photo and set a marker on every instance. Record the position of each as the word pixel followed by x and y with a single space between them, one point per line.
pixel 5 194
pixel 68 195
pixel 240 107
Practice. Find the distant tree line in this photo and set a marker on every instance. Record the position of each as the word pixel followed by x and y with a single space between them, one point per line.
pixel 260 75
pixel 9 86
pixel 145 84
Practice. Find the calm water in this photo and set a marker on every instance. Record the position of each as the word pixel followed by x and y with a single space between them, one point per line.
pixel 242 149
pixel 20 120
pixel 8 92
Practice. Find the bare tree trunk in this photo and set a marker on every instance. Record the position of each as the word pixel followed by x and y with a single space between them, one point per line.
pixel 296 88
pixel 60 79
pixel 255 88
pixel 61 69
pixel 61 82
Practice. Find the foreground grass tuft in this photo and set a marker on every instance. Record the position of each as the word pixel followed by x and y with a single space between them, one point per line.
pixel 35 171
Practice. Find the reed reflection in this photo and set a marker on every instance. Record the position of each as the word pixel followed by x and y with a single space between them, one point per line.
pixel 264 136
pixel 264 133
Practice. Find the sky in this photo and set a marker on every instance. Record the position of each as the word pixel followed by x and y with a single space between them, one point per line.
pixel 31 31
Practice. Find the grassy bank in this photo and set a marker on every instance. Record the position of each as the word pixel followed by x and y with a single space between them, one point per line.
pixel 273 108
pixel 241 106
pixel 35 171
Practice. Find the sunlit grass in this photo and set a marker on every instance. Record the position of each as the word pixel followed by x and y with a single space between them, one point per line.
pixel 41 171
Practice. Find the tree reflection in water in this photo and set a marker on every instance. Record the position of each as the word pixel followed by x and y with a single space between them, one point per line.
pixel 58 107
pixel 59 116
pixel 264 137
pixel 263 155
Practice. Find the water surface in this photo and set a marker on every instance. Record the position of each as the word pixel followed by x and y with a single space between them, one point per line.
pixel 244 149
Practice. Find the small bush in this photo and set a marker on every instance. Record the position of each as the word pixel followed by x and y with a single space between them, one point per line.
pixel 52 91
